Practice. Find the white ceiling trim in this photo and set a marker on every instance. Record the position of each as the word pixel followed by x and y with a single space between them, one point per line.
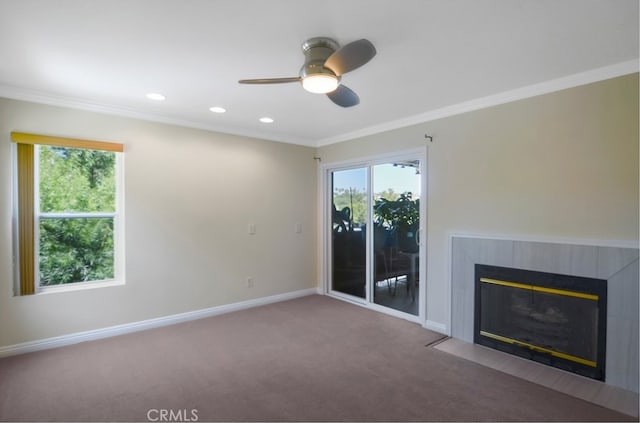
pixel 34 96
pixel 582 78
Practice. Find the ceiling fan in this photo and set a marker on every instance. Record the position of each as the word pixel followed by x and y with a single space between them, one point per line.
pixel 325 63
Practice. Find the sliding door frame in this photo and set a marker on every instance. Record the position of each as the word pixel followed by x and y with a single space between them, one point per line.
pixel 327 232
pixel 326 229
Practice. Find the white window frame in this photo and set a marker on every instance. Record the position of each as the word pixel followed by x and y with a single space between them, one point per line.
pixel 118 231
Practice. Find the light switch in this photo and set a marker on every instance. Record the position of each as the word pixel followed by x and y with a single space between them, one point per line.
pixel 252 228
pixel 298 228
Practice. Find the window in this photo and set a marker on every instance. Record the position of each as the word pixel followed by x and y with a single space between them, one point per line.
pixel 68 213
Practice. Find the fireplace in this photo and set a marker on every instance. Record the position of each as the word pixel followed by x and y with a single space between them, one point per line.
pixel 555 319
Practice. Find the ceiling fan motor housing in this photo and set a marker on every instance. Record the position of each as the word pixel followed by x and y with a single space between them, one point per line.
pixel 316 51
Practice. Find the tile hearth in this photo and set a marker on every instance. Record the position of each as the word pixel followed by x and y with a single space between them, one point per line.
pixel 581 387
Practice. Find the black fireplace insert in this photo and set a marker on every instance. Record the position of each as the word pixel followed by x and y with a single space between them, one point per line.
pixel 558 320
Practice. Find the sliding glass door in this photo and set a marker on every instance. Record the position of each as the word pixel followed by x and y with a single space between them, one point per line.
pixel 375 234
pixel 396 224
pixel 349 231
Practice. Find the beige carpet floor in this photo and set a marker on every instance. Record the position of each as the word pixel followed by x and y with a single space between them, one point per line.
pixel 310 359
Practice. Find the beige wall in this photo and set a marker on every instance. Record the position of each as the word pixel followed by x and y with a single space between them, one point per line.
pixel 560 165
pixel 190 195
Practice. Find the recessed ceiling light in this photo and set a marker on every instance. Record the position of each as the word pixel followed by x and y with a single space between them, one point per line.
pixel 155 96
pixel 266 120
pixel 217 109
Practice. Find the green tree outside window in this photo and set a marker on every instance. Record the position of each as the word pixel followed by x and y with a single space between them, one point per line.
pixel 77 202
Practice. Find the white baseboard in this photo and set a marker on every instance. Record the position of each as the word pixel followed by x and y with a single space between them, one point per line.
pixel 436 327
pixel 74 338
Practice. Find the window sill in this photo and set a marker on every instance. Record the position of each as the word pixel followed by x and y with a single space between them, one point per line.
pixel 78 286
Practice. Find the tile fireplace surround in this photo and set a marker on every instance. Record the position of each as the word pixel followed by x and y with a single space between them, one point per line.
pixel 617 265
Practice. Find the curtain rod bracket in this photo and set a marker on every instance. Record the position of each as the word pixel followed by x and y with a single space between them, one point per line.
pixel 317 158
pixel 429 137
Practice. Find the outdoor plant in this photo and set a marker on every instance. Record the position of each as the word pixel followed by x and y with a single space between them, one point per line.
pixel 395 214
pixel 400 217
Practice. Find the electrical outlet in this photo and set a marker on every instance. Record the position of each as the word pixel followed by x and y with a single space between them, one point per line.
pixel 249 282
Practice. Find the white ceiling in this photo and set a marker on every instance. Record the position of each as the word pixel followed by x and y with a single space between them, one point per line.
pixel 432 55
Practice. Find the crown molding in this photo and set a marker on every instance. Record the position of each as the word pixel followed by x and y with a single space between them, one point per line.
pixel 40 97
pixel 558 84
pixel 582 78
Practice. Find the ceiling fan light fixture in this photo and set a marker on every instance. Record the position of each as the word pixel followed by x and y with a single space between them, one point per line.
pixel 320 83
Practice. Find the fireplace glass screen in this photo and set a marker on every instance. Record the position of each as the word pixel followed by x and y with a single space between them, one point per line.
pixel 554 319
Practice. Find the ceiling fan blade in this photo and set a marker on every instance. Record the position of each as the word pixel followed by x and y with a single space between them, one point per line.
pixel 270 80
pixel 351 56
pixel 344 97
